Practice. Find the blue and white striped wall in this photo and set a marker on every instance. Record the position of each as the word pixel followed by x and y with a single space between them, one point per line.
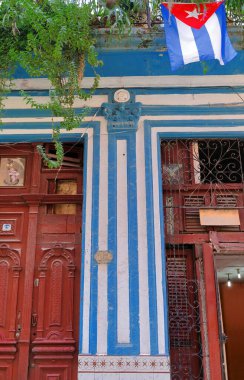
pixel 123 316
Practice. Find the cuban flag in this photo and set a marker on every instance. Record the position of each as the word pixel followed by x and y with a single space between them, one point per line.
pixel 196 32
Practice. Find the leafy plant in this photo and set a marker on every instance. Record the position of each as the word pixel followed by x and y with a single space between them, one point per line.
pixel 52 39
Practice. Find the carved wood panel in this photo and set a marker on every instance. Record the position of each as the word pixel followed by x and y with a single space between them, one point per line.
pixel 39 252
pixel 56 297
pixel 9 281
pixel 54 304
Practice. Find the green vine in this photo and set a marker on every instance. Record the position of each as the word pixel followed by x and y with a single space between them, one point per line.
pixel 52 39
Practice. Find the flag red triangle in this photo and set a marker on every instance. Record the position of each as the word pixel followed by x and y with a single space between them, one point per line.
pixel 193 15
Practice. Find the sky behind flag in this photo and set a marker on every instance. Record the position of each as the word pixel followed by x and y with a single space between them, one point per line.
pixel 196 33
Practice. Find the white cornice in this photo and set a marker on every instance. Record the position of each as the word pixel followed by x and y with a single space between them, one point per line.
pixel 160 81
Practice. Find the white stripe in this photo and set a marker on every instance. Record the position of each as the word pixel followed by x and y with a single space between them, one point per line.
pixel 158 248
pixel 192 99
pixel 123 309
pixel 103 188
pixel 214 31
pixel 187 42
pixel 102 306
pixel 87 253
pixel 18 102
pixel 102 309
pixel 6 131
pixel 163 81
pixel 142 244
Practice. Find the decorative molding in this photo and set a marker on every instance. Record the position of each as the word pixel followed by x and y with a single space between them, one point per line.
pixel 57 251
pixel 14 254
pixel 122 114
pixel 123 364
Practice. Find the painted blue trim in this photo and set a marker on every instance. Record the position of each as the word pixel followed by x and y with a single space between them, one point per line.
pixel 197 123
pixel 112 243
pixel 163 249
pixel 36 125
pixel 215 124
pixel 124 62
pixel 28 126
pixel 94 243
pixel 15 113
pixel 74 137
pixel 186 110
pixel 83 242
pixel 150 243
pixel 202 135
pixel 113 347
pixel 133 244
pixel 145 111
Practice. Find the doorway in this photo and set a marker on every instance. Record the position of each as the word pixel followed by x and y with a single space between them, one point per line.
pixel 230 276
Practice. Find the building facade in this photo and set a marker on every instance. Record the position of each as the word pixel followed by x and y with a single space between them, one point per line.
pixel 114 267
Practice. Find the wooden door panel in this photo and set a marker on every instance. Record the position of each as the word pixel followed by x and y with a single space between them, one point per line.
pixel 53 335
pixel 57 371
pixel 55 276
pixel 40 244
pixel 11 225
pixel 9 327
pixel 56 291
pixel 6 370
pixel 9 281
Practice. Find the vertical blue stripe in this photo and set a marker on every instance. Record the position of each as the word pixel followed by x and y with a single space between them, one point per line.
pixel 83 242
pixel 150 242
pixel 94 243
pixel 227 50
pixel 133 244
pixel 203 42
pixel 163 248
pixel 172 39
pixel 112 243
pixel 114 348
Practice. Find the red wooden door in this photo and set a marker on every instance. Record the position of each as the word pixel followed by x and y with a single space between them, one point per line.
pixel 40 245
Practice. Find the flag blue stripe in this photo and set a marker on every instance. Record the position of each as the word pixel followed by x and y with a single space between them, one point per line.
pixel 227 50
pixel 203 43
pixel 172 39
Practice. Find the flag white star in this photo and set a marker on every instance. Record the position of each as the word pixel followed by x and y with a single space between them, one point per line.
pixel 193 14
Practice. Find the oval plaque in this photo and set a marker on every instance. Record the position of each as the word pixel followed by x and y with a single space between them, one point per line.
pixel 103 257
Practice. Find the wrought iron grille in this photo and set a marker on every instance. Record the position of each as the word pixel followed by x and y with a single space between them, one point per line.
pixel 199 162
pixel 184 315
pixel 196 174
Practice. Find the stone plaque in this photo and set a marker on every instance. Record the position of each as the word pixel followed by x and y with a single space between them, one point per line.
pixel 103 257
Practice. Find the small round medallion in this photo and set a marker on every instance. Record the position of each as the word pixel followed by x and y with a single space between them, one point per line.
pixel 121 96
